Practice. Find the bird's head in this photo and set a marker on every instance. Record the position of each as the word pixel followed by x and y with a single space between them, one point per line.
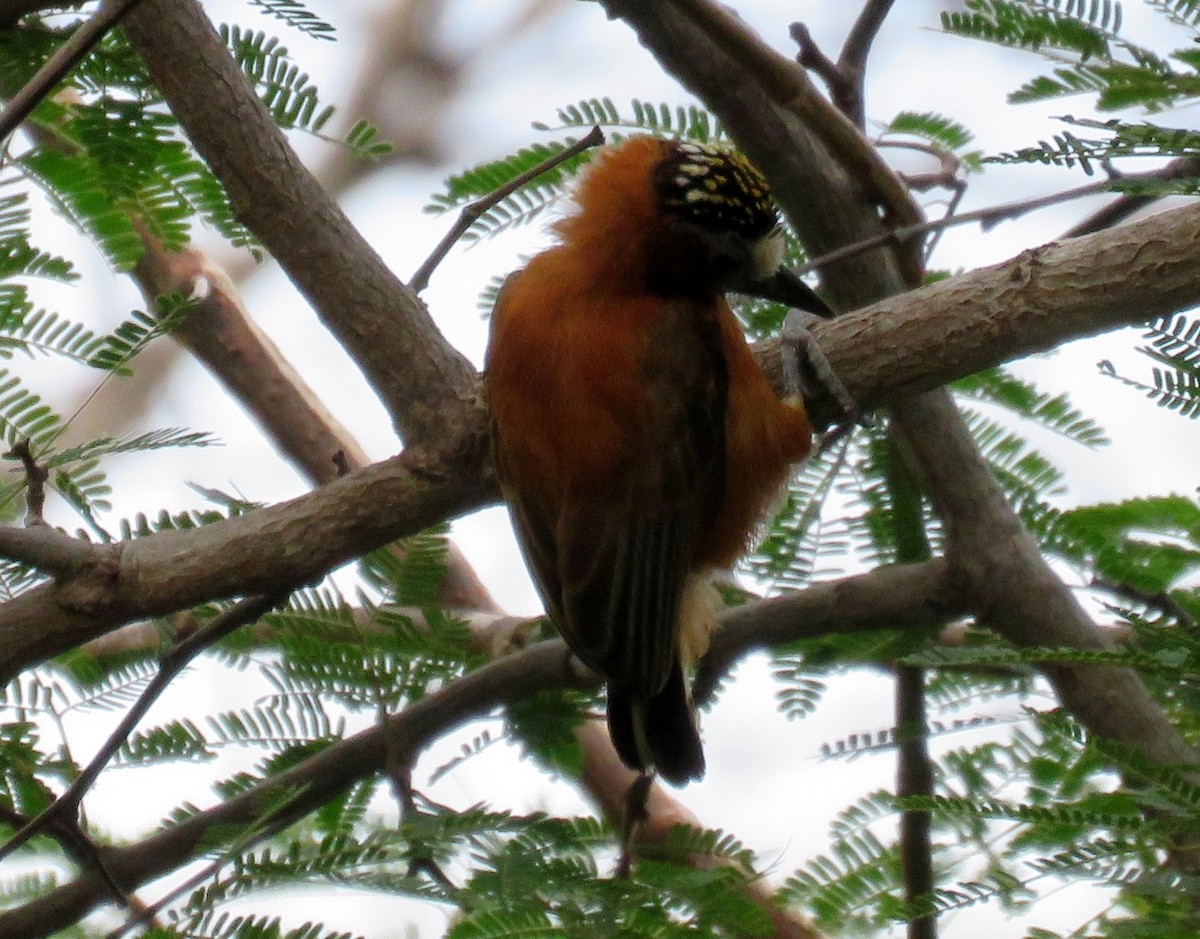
pixel 717 211
pixel 690 218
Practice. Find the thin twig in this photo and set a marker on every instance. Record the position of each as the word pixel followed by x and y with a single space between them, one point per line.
pixel 947 177
pixel 67 804
pixel 1120 209
pixel 845 78
pixel 914 770
pixel 153 909
pixel 55 69
pixel 472 212
pixel 815 60
pixel 1161 600
pixel 35 479
pixel 398 766
pixel 949 161
pixel 852 63
pixel 960 190
pixel 987 217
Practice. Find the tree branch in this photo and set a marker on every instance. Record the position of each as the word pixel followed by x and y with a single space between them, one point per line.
pixel 35 481
pixel 1078 287
pixel 897 347
pixel 907 597
pixel 65 58
pixel 852 63
pixel 992 215
pixel 846 77
pixel 914 777
pixel 45 549
pixel 377 318
pixel 762 72
pixel 879 597
pixel 270 551
pixel 1122 208
pixel 1013 590
pixel 66 806
pixel 471 213
pixel 304 787
pixel 220 332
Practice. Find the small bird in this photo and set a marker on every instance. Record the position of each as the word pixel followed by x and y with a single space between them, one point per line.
pixel 637 442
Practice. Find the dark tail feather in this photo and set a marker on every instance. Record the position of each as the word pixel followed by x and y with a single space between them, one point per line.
pixel 660 732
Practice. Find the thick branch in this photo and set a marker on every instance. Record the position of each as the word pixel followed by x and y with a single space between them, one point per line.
pixel 1031 303
pixel 1014 591
pixel 423 382
pixel 903 345
pixel 879 597
pixel 219 331
pixel 269 551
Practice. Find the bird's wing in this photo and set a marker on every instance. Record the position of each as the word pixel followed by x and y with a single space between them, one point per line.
pixel 612 555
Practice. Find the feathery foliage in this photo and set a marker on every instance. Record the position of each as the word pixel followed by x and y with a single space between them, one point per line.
pixel 530 201
pixel 298 16
pixel 1175 378
pixel 1023 799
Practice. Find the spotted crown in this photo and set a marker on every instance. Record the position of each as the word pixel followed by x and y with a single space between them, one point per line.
pixel 717 188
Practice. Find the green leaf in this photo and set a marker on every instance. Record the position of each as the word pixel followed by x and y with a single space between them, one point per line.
pixel 75 186
pixel 1000 387
pixel 933 127
pixel 296 15
pixel 544 724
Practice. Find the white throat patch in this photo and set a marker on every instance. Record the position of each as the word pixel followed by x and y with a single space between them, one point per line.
pixel 766 254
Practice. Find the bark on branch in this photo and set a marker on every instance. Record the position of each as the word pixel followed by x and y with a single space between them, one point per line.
pixel 876 598
pixel 424 383
pixel 831 203
pixel 902 345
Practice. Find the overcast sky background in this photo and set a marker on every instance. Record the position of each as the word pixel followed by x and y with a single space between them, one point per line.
pixel 766 782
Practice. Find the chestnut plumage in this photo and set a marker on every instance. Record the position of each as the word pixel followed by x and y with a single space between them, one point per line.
pixel 637 441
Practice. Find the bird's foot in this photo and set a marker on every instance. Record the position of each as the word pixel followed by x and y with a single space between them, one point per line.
pixel 807 373
pixel 635 816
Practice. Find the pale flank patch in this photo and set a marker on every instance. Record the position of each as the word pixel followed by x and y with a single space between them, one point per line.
pixel 697 617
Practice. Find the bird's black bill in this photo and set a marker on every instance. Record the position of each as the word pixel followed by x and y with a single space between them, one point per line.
pixel 785 287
